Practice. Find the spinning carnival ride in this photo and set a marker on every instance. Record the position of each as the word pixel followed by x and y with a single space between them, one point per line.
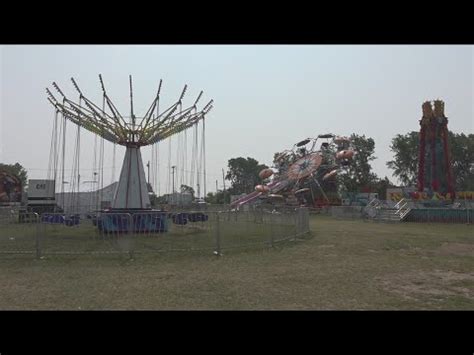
pixel 304 176
pixel 10 188
pixel 131 195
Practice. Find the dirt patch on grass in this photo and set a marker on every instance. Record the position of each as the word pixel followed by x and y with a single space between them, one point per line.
pixel 461 249
pixel 435 285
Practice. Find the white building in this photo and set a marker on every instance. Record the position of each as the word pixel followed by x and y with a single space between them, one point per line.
pixel 85 202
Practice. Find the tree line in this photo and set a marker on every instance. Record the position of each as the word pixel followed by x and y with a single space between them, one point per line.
pixel 359 175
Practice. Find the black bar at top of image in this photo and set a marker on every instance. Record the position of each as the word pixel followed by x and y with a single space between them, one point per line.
pixel 297 26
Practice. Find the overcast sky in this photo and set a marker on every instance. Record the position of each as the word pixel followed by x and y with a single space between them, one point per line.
pixel 266 98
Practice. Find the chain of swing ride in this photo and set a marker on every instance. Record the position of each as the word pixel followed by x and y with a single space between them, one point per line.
pixel 178 173
pixel 58 157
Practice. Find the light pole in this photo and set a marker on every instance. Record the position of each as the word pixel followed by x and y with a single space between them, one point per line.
pixel 223 182
pixel 173 167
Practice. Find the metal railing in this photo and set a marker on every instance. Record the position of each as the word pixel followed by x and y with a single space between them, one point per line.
pixel 440 215
pixel 399 203
pixel 372 208
pixel 403 209
pixel 150 231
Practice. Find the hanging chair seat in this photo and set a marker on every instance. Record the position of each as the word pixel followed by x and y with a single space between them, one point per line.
pixel 180 218
pixel 52 219
pixel 141 223
pixel 198 217
pixel 70 220
pixel 150 223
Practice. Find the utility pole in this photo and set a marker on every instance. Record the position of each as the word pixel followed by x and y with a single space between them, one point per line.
pixel 223 181
pixel 148 167
pixel 78 190
pixel 216 187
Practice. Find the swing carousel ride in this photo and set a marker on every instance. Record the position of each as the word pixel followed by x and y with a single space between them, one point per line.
pixel 132 132
pixel 304 175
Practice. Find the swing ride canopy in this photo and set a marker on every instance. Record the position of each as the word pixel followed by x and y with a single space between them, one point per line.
pixel 139 131
pixel 108 123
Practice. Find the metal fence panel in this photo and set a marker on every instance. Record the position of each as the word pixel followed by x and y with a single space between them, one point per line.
pixel 151 231
pixel 100 234
pixel 181 231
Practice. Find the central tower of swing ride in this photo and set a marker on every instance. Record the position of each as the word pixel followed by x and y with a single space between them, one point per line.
pixel 131 194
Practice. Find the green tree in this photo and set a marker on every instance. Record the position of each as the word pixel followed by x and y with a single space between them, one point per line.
pixel 211 198
pixel 187 189
pixel 243 174
pixel 153 200
pixel 220 197
pixel 462 158
pixel 380 187
pixel 17 170
pixel 358 175
pixel 405 160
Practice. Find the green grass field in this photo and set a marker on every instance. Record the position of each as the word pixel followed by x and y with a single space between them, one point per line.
pixel 344 265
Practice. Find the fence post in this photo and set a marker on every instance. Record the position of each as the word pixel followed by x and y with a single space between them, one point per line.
pixel 306 220
pixel 217 252
pixel 294 218
pixel 37 236
pixel 303 221
pixel 300 222
pixel 271 229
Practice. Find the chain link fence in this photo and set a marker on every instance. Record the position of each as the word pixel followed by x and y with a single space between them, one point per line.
pixel 150 231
